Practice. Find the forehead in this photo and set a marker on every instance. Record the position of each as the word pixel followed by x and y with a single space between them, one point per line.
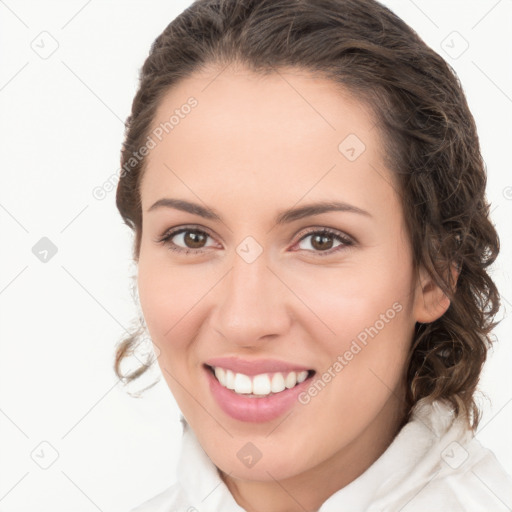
pixel 290 133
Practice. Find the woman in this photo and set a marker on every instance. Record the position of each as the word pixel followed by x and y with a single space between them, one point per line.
pixel 312 240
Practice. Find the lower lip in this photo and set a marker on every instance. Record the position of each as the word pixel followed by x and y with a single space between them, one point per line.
pixel 252 409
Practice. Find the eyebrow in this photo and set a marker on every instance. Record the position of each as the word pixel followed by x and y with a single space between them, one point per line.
pixel 283 217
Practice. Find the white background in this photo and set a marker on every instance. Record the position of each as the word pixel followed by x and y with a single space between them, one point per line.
pixel 61 127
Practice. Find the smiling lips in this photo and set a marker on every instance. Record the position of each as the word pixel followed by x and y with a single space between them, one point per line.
pixel 255 391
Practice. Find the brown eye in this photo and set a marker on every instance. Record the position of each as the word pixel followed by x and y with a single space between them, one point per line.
pixel 194 239
pixel 186 240
pixel 323 241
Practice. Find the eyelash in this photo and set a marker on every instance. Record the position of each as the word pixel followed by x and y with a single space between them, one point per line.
pixel 346 241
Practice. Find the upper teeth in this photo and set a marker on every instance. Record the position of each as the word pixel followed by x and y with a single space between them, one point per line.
pixel 262 384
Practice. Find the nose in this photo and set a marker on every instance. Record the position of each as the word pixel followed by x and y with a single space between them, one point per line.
pixel 252 304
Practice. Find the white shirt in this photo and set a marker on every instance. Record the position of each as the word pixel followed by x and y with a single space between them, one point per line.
pixel 434 464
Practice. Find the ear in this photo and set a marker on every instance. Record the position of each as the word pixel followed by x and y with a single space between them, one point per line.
pixel 430 302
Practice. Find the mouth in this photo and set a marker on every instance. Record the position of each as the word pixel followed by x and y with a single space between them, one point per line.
pixel 256 390
pixel 261 385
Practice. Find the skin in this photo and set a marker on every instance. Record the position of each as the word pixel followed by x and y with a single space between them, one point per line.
pixel 253 146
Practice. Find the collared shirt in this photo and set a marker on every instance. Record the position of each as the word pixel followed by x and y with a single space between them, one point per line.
pixel 434 464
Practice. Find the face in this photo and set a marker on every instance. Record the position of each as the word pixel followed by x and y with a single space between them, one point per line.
pixel 259 280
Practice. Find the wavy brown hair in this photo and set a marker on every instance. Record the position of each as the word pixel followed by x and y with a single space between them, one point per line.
pixel 430 139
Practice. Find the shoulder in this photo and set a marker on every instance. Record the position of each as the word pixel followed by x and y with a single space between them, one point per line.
pixel 468 478
pixel 436 463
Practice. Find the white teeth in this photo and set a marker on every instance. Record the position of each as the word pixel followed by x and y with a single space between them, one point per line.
pixel 278 383
pixel 230 379
pixel 243 384
pixel 291 380
pixel 302 376
pixel 262 384
pixel 220 373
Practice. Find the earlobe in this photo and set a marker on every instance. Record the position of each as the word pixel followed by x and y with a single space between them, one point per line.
pixel 431 302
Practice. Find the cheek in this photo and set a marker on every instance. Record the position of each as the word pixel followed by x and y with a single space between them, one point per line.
pixel 342 302
pixel 362 342
pixel 362 322
pixel 169 298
